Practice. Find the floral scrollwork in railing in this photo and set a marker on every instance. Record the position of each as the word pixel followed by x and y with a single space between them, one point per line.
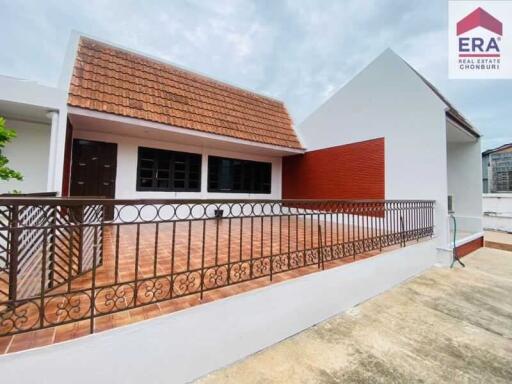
pixel 67 307
pixel 114 298
pixel 187 283
pixel 19 318
pixel 216 277
pixel 153 290
pixel 240 271
pixel 261 267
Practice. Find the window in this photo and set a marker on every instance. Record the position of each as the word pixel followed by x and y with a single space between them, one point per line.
pixel 161 170
pixel 238 176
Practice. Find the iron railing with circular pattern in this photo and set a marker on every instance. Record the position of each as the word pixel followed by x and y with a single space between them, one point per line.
pixel 94 257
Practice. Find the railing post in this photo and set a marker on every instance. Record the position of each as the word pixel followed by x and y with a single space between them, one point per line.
pixel 402 234
pixel 380 223
pixel 320 247
pixel 13 253
pixel 51 261
pixel 80 213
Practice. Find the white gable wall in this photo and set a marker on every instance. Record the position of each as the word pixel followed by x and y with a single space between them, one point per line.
pixel 387 99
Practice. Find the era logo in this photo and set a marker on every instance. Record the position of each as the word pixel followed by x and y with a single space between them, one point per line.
pixel 479 46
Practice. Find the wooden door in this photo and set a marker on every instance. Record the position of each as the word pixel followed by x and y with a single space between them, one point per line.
pixel 93 171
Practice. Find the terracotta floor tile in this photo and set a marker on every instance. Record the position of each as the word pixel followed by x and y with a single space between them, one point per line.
pixel 5 341
pixel 32 340
pixel 72 331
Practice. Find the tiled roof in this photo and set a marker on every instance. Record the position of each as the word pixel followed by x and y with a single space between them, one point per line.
pixel 113 80
pixel 497 149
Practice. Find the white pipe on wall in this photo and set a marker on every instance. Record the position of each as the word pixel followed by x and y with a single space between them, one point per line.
pixel 54 116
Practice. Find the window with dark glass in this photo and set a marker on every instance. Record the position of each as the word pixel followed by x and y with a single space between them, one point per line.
pixel 238 176
pixel 161 170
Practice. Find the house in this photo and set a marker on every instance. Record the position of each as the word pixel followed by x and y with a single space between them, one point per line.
pixel 135 127
pixel 497 188
pixel 213 192
pixel 395 136
pixel 125 125
pixel 497 169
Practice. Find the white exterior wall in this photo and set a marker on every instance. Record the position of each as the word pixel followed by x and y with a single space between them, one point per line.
pixel 31 93
pixel 29 101
pixel 28 153
pixel 387 99
pixel 182 346
pixel 126 177
pixel 497 209
pixel 465 184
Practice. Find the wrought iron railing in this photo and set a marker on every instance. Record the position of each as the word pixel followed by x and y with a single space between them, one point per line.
pixel 89 258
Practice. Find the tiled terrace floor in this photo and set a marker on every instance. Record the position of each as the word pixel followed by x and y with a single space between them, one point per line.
pixel 175 247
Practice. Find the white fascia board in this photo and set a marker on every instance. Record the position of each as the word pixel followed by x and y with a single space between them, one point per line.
pixel 69 61
pixel 31 93
pixel 171 128
pixel 461 128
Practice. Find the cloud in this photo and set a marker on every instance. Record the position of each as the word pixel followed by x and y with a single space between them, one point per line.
pixel 300 51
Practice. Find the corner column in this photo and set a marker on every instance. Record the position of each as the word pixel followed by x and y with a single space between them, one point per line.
pixel 54 117
pixel 57 150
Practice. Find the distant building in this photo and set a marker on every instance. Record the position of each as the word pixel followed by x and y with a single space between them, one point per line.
pixel 497 169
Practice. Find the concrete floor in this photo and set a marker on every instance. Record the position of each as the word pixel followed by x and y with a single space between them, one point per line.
pixel 445 326
pixel 498 237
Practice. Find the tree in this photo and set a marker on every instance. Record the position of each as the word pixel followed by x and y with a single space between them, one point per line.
pixel 6 135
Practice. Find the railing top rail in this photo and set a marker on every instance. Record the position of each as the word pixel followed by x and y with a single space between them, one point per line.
pixel 29 195
pixel 77 201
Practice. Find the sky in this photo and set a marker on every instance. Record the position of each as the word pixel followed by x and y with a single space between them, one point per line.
pixel 298 51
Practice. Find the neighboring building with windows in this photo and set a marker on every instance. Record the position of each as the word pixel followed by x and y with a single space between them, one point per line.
pixel 497 169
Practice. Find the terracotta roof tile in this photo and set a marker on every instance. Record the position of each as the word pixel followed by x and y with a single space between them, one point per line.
pixel 112 80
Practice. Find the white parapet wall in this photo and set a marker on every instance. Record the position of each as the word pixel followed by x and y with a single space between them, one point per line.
pixel 497 209
pixel 185 345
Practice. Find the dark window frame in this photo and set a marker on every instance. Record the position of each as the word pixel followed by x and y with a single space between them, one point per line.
pixel 162 156
pixel 245 176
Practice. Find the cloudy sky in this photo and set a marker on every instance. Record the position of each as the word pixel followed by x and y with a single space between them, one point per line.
pixel 299 51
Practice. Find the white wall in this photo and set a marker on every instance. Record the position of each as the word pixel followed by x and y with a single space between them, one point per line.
pixel 31 93
pixel 28 100
pixel 180 347
pixel 126 179
pixel 465 184
pixel 497 209
pixel 28 153
pixel 387 99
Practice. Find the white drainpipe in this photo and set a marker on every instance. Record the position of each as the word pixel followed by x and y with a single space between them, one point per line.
pixel 54 116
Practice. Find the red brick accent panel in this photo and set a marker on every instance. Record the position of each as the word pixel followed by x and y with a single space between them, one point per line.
pixel 351 171
pixel 473 245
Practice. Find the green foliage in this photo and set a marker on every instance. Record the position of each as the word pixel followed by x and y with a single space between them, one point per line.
pixel 6 135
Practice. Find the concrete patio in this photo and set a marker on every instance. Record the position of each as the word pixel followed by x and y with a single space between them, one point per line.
pixel 452 326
